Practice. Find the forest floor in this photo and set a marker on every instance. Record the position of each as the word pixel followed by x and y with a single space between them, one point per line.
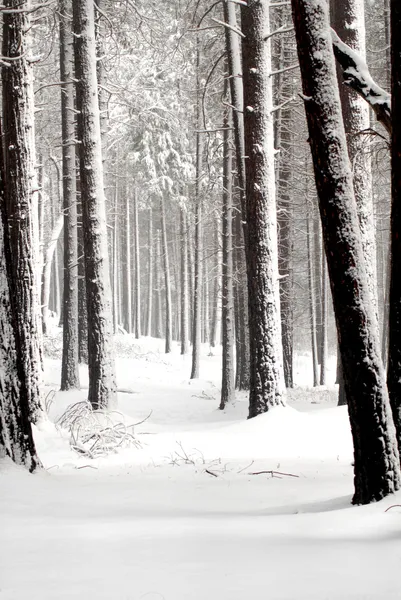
pixel 183 516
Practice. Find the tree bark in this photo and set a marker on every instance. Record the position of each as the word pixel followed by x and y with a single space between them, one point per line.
pixel 167 281
pixel 102 385
pixel 20 202
pixel 261 240
pixel 16 440
pixel 394 356
pixel 227 314
pixel 69 363
pixel 377 468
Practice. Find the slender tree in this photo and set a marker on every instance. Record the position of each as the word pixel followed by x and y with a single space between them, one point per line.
pixel 227 317
pixel 184 281
pixel 69 364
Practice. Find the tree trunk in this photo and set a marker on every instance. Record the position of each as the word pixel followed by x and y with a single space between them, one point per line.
pixel 167 282
pixel 69 363
pixel 394 356
pixel 137 271
pixel 150 275
pixel 128 279
pixel 377 469
pixel 16 440
pixel 20 202
pixel 184 282
pixel 312 301
pixel 102 386
pixel 262 255
pixel 227 313
pixel 197 297
pixel 323 348
pixel 348 20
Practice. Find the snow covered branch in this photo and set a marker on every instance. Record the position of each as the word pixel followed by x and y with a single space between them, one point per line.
pixel 356 76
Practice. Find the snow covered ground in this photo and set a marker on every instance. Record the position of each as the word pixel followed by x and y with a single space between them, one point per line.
pixel 183 517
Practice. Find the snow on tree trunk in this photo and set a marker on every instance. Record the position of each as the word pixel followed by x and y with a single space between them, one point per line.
pixel 394 355
pixel 16 439
pixel 262 256
pixel 20 192
pixel 69 364
pixel 102 386
pixel 377 469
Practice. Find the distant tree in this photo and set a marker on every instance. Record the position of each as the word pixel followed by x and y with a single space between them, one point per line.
pixel 377 468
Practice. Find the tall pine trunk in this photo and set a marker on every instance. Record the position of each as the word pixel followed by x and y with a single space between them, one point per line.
pixel 261 240
pixel 227 313
pixel 16 440
pixel 102 386
pixel 69 363
pixel 394 356
pixel 19 197
pixel 377 468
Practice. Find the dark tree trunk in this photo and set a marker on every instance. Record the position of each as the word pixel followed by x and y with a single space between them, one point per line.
pixel 16 440
pixel 261 239
pixel 102 385
pixel 19 197
pixel 377 468
pixel 69 364
pixel 394 356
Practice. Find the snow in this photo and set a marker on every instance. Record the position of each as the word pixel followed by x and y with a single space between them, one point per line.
pixel 183 517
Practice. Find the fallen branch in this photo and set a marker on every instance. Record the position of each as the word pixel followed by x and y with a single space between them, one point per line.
pixel 393 506
pixel 211 473
pixel 273 473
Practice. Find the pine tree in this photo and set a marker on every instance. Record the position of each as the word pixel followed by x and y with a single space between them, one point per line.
pixel 20 195
pixel 377 469
pixel 261 222
pixel 102 386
